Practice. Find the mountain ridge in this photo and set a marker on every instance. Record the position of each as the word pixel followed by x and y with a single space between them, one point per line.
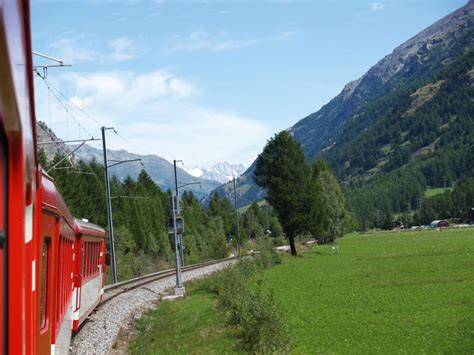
pixel 428 51
pixel 159 169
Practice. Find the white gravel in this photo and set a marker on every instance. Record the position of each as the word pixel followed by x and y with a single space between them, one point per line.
pixel 99 332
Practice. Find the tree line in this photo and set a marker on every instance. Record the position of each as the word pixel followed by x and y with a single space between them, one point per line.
pixel 141 210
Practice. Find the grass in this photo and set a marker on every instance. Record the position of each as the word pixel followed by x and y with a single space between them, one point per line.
pixel 430 192
pixel 385 292
pixel 189 325
pixel 410 292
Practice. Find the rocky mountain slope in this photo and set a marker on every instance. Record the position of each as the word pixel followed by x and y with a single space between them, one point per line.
pixel 363 102
pixel 44 136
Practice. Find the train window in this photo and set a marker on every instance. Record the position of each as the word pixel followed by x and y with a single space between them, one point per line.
pixel 44 283
pixel 83 252
pixel 65 268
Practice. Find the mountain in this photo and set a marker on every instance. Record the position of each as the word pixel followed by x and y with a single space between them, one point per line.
pixel 45 136
pixel 222 172
pixel 403 83
pixel 159 169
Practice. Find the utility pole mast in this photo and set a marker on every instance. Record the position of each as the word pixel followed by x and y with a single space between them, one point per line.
pixel 237 219
pixel 108 200
pixel 179 289
pixel 180 236
pixel 109 206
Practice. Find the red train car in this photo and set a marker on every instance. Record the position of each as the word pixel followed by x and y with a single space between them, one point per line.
pixel 55 237
pixel 18 180
pixel 90 269
pixel 51 265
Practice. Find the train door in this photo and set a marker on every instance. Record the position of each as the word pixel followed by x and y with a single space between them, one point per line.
pixel 45 282
pixel 3 249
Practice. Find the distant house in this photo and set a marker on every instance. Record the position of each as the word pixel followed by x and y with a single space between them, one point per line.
pixel 438 223
pixel 397 225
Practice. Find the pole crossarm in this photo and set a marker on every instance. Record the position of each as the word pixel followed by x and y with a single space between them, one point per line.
pixel 71 141
pixel 190 183
pixel 65 157
pixel 123 161
pixel 134 197
pixel 45 67
pixel 60 61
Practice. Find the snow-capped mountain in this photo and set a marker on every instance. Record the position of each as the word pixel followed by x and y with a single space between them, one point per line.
pixel 222 172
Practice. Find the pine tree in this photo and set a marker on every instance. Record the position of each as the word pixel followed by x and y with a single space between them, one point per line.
pixel 281 168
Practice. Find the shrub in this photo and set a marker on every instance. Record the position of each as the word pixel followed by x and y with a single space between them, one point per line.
pixel 261 324
pixel 267 255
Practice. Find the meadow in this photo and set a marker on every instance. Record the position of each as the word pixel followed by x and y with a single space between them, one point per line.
pixel 390 292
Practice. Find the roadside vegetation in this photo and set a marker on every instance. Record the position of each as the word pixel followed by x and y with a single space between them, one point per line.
pixel 225 313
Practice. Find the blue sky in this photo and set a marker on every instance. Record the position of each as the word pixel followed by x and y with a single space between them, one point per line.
pixel 209 81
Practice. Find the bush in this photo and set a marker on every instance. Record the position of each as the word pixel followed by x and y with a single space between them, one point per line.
pixel 267 255
pixel 261 324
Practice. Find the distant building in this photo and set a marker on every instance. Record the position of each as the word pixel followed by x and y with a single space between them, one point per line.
pixel 438 223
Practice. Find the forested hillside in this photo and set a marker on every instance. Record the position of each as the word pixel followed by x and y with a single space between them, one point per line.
pixel 423 136
pixel 404 126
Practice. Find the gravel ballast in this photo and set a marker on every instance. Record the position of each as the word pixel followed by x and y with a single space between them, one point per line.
pixel 99 332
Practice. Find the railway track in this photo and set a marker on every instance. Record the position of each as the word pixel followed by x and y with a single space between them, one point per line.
pixel 112 291
pixel 126 301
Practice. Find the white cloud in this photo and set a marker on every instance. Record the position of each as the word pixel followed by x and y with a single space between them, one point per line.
pixel 82 103
pixel 122 49
pixel 99 85
pixel 284 35
pixel 377 6
pixel 201 40
pixel 73 49
pixel 155 110
pixel 69 50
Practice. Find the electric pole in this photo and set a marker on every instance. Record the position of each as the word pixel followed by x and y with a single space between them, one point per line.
pixel 237 219
pixel 180 236
pixel 109 207
pixel 109 199
pixel 179 289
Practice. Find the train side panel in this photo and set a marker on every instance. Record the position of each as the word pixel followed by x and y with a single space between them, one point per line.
pixel 64 291
pixel 17 135
pixel 55 271
pixel 90 270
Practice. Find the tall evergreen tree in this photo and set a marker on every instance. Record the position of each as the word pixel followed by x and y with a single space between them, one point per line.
pixel 281 168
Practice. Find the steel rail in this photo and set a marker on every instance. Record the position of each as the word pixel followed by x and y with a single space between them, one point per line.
pixel 114 290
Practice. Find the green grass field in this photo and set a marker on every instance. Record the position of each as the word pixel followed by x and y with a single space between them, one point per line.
pixel 436 191
pixel 190 325
pixel 405 292
pixel 387 292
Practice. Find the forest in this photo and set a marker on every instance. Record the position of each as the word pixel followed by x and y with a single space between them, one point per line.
pixel 420 136
pixel 141 211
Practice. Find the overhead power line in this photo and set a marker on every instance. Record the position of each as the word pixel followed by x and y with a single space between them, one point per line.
pixel 64 106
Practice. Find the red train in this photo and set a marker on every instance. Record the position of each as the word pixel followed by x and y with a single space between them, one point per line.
pixel 52 266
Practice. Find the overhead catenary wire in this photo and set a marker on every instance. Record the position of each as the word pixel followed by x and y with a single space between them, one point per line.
pixel 65 107
pixel 72 103
pixel 57 93
pixel 100 124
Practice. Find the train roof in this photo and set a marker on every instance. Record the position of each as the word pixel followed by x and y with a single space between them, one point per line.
pixel 87 228
pixel 52 198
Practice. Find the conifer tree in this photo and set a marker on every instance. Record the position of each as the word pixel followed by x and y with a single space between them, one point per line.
pixel 281 168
